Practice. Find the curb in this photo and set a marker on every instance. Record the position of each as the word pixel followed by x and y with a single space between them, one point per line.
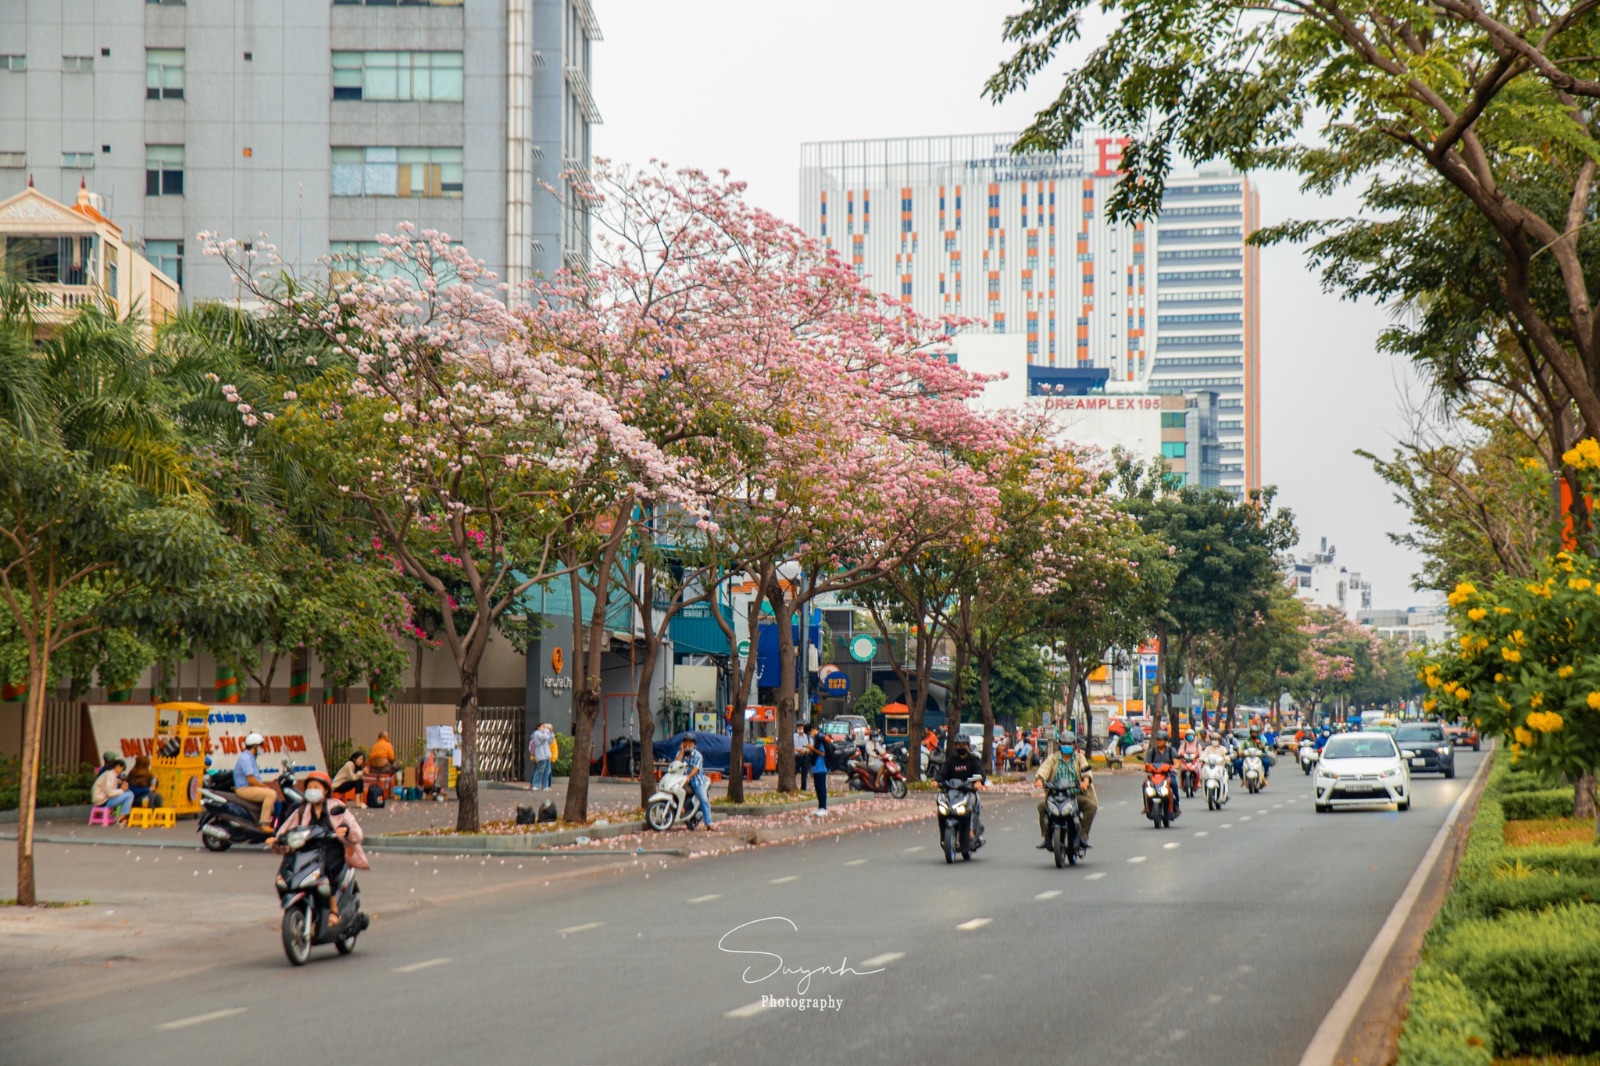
pixel 41 814
pixel 510 844
pixel 1330 1036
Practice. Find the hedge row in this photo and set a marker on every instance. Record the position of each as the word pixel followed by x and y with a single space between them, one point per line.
pixel 1512 963
pixel 1544 803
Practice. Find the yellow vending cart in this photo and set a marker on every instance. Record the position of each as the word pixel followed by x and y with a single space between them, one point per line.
pixel 178 759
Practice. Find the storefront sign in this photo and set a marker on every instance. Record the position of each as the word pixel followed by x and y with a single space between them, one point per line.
pixel 289 732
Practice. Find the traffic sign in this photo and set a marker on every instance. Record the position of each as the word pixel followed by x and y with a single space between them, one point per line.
pixel 863 649
pixel 744 647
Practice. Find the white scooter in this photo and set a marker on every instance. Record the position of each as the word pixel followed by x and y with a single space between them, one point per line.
pixel 1308 756
pixel 1254 770
pixel 1214 779
pixel 674 802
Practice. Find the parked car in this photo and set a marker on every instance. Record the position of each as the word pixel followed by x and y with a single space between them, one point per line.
pixel 1461 735
pixel 1427 748
pixel 1361 768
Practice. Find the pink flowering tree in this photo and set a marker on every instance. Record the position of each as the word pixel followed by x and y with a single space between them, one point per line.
pixel 467 450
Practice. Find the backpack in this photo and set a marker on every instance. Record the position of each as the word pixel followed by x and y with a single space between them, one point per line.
pixel 1117 727
pixel 533 743
pixel 555 749
pixel 375 796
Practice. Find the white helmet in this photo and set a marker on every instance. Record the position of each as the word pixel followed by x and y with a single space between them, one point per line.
pixel 254 740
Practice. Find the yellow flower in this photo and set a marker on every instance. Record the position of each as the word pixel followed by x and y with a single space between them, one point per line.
pixel 1536 700
pixel 1594 701
pixel 1565 671
pixel 1463 592
pixel 1530 463
pixel 1524 737
pixel 1580 584
pixel 1502 610
pixel 1429 705
pixel 1499 678
pixel 1477 614
pixel 1504 705
pixel 1462 693
pixel 1585 455
pixel 1517 637
pixel 1511 655
pixel 1539 590
pixel 1546 721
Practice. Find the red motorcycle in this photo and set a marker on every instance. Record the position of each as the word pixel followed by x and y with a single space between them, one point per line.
pixel 1189 774
pixel 864 779
pixel 1159 800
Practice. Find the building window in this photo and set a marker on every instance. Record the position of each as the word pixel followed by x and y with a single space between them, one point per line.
pixel 1172 419
pixel 167 257
pixel 77 64
pixel 13 159
pixel 353 259
pixel 397 76
pixel 424 172
pixel 17 64
pixel 399 3
pixel 163 74
pixel 50 260
pixel 163 170
pixel 1174 449
pixel 77 160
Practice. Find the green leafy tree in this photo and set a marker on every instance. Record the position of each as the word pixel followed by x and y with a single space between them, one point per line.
pixel 84 551
pixel 1255 657
pixel 870 705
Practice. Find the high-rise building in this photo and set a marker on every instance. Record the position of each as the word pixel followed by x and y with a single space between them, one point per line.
pixel 1317 578
pixel 1023 244
pixel 320 123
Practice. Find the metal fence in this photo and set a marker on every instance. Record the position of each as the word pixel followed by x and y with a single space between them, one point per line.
pixel 61 745
pixel 500 744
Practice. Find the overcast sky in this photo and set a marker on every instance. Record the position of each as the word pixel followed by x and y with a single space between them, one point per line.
pixel 715 83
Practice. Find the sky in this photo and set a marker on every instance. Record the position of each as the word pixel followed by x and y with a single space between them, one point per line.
pixel 718 84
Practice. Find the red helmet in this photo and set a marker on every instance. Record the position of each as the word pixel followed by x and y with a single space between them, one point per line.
pixel 316 775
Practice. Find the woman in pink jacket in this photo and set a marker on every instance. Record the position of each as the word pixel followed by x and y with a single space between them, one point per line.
pixel 335 817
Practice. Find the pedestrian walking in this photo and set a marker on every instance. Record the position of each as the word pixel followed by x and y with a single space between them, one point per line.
pixel 539 751
pixel 819 746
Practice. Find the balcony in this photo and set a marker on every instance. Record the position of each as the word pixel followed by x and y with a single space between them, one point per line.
pixel 56 303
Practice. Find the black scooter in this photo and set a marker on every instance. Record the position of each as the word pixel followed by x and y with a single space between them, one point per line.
pixel 957 807
pixel 1064 824
pixel 226 820
pixel 304 891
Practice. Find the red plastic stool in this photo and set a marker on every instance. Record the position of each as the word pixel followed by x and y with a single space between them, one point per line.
pixel 102 816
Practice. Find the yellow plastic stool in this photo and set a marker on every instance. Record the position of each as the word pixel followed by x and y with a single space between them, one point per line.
pixel 163 818
pixel 139 818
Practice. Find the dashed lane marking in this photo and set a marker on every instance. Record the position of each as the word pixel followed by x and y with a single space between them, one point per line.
pixel 856 862
pixel 1171 845
pixel 784 880
pixel 1203 833
pixel 976 923
pixel 706 899
pixel 415 966
pixel 584 928
pixel 879 961
pixel 749 1010
pixel 1137 858
pixel 201 1019
pixel 919 847
pixel 1094 877
pixel 1052 894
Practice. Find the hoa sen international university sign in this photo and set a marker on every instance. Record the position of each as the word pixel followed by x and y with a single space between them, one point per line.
pixel 290 733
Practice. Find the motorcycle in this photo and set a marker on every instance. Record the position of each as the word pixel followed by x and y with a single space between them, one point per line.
pixel 1064 823
pixel 957 803
pixel 1214 775
pixel 304 892
pixel 1308 756
pixel 674 802
pixel 864 779
pixel 1254 770
pixel 1189 775
pixel 1158 797
pixel 226 820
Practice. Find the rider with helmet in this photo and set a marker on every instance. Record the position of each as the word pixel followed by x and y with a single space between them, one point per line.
pixel 247 782
pixel 1067 765
pixel 1161 755
pixel 961 765
pixel 335 817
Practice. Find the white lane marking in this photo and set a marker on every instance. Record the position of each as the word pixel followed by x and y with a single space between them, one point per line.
pixel 706 899
pixel 201 1019
pixel 1094 877
pixel 1137 858
pixel 783 880
pixel 1225 825
pixel 1263 811
pixel 1170 846
pixel 1277 806
pixel 415 966
pixel 1203 833
pixel 976 923
pixel 1052 894
pixel 856 862
pixel 883 960
pixel 1330 1034
pixel 584 928
pixel 1244 817
pixel 749 1010
pixel 917 848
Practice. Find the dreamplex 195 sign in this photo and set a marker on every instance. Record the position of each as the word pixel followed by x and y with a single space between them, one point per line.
pixel 1103 403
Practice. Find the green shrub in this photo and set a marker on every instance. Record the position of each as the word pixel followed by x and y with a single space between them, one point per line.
pixel 1486 840
pixel 1534 890
pixel 1520 781
pixel 1582 860
pixel 1445 1025
pixel 1541 971
pixel 1545 803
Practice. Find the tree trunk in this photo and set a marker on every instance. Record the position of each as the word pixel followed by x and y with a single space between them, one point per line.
pixel 787 657
pixel 467 779
pixel 742 675
pixel 647 718
pixel 986 708
pixel 32 738
pixel 1583 800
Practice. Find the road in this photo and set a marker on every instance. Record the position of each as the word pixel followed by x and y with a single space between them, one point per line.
pixel 1224 939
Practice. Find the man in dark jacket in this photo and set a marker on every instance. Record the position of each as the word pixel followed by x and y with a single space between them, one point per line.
pixel 1161 755
pixel 960 766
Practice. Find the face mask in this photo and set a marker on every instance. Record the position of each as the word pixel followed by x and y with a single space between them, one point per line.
pixel 315 795
pixel 1067 749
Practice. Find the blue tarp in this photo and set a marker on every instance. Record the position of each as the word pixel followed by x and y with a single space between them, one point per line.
pixel 715 748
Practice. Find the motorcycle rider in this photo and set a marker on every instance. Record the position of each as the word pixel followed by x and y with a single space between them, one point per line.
pixel 247 782
pixel 961 765
pixel 1256 741
pixel 696 765
pixel 872 753
pixel 1067 765
pixel 1161 755
pixel 337 854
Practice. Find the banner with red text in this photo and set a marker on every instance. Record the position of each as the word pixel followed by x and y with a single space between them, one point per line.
pixel 290 733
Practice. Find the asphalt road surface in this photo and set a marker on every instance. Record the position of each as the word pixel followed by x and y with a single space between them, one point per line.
pixel 1224 940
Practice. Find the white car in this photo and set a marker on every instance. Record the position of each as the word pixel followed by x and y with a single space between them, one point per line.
pixel 973 731
pixel 1362 768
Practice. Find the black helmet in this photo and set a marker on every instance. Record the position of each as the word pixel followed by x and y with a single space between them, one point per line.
pixel 1067 738
pixel 1161 734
